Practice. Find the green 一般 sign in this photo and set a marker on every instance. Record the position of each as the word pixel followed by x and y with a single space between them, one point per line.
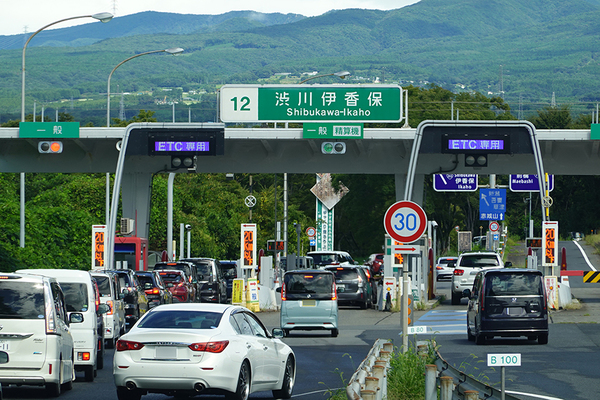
pixel 310 103
pixel 329 130
pixel 48 130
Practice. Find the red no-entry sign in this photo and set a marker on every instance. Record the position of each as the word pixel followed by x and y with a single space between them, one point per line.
pixel 405 221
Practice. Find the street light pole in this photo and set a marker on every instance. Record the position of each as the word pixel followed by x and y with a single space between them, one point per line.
pixel 104 17
pixel 174 51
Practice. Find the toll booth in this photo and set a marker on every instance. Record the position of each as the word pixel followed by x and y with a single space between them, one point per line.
pixel 131 252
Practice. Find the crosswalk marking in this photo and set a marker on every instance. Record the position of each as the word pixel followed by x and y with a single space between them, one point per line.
pixel 447 322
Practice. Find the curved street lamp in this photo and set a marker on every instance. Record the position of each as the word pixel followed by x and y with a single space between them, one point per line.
pixel 103 17
pixel 174 51
pixel 341 75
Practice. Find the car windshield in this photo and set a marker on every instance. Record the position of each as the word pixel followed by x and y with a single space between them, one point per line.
pixel 76 296
pixel 323 259
pixel 20 300
pixel 180 319
pixel 103 284
pixel 513 285
pixel 479 261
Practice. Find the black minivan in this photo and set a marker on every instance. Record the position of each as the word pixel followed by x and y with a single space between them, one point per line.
pixel 507 302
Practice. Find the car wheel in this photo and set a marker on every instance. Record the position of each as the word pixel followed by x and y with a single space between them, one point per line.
pixel 286 332
pixel 243 384
pixel 334 332
pixel 364 305
pixel 480 339
pixel 287 387
pixel 456 298
pixel 89 373
pixel 124 394
pixel 470 335
pixel 543 339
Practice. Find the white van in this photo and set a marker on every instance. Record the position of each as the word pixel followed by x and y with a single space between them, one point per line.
pixel 36 346
pixel 80 299
pixel 110 294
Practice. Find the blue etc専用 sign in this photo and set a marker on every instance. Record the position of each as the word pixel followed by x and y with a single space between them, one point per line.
pixel 492 204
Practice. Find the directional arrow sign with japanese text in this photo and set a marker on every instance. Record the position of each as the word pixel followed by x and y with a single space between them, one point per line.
pixel 305 103
pixel 455 182
pixel 528 183
pixel 492 204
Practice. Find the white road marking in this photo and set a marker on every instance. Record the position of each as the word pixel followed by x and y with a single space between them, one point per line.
pixel 587 260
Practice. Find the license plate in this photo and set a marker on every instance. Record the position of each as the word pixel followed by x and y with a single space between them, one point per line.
pixel 341 286
pixel 514 310
pixel 309 303
pixel 4 345
pixel 166 352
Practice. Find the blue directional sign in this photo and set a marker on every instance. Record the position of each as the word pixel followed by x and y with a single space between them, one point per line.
pixel 492 204
pixel 455 182
pixel 528 183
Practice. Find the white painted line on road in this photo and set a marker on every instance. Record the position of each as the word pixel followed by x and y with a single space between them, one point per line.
pixel 319 391
pixel 537 396
pixel 587 260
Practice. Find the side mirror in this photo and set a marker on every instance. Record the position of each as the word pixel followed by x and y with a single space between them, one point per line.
pixel 277 333
pixel 278 290
pixel 103 309
pixel 507 264
pixel 467 293
pixel 75 318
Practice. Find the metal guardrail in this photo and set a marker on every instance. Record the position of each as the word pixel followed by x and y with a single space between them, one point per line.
pixel 465 385
pixel 369 381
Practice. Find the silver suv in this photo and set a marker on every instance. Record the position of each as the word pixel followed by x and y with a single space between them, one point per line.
pixel 467 266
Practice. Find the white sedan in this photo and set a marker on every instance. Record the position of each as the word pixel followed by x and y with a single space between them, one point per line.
pixel 194 348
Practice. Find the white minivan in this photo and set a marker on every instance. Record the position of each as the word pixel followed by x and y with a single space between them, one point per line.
pixel 36 346
pixel 84 312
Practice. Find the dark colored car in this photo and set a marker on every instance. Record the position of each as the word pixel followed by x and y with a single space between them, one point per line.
pixel 212 285
pixel 136 302
pixel 507 302
pixel 156 291
pixel 229 272
pixel 190 273
pixel 375 263
pixel 178 284
pixel 353 286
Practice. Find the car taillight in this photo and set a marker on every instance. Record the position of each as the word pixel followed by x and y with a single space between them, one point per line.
pixel 109 303
pixel 368 273
pixel 459 272
pixel 283 295
pixel 124 345
pixel 209 347
pixel 439 267
pixel 155 291
pixel 333 291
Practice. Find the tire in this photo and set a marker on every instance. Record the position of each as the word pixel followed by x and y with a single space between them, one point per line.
pixel 335 332
pixel 456 299
pixel 286 332
pixel 480 339
pixel 543 339
pixel 89 373
pixel 243 384
pixel 124 394
pixel 364 305
pixel 470 335
pixel 289 378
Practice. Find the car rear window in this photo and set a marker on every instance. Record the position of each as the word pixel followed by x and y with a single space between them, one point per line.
pixel 103 284
pixel 513 285
pixel 76 296
pixel 172 277
pixel 180 319
pixel 344 274
pixel 145 279
pixel 20 300
pixel 324 259
pixel 318 285
pixel 479 261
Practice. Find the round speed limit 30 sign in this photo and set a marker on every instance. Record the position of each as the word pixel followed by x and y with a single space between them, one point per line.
pixel 405 221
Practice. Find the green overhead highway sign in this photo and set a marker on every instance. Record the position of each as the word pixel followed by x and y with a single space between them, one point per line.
pixel 48 130
pixel 310 103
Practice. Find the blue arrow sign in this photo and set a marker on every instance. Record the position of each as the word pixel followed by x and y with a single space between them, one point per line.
pixel 528 183
pixel 455 182
pixel 492 204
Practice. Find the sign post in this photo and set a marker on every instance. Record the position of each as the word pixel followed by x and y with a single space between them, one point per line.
pixel 503 360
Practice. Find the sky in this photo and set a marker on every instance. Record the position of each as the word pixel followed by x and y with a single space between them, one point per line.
pixel 30 15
